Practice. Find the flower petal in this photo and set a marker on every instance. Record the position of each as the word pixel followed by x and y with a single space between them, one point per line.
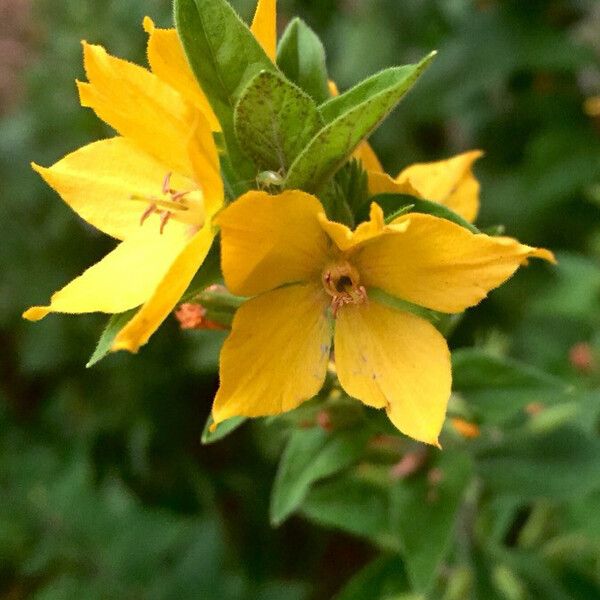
pixel 167 293
pixel 123 279
pixel 98 180
pixel 268 241
pixel 438 264
pixel 276 355
pixel 450 182
pixel 346 239
pixel 382 183
pixel 394 360
pixel 140 106
pixel 264 26
pixel 167 60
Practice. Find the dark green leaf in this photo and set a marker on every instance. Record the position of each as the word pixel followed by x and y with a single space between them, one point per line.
pixel 223 430
pixel 114 325
pixel 274 121
pixel 224 56
pixel 354 122
pixel 497 388
pixel 301 57
pixel 312 454
pixel 384 578
pixel 426 515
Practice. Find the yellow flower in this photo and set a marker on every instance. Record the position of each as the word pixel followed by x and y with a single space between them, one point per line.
pixel 310 276
pixel 168 61
pixel 154 187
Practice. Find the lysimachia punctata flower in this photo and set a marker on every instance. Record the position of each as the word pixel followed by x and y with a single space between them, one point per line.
pixel 311 280
pixel 154 187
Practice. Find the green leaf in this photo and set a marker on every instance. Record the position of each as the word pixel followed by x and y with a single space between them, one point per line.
pixel 223 430
pixel 498 388
pixel 561 463
pixel 394 205
pixel 355 506
pixel 274 121
pixel 400 79
pixel 385 577
pixel 114 325
pixel 224 56
pixel 356 116
pixel 301 57
pixel 312 454
pixel 426 515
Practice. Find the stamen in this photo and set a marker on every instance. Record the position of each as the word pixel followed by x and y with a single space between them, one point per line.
pixel 185 206
pixel 342 282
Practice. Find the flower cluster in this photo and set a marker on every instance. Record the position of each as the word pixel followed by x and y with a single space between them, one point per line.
pixel 316 289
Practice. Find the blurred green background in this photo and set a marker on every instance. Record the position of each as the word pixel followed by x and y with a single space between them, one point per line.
pixel 105 489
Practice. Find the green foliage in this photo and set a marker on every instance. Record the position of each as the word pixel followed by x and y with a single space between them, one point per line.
pixel 274 121
pixel 311 455
pixel 350 118
pixel 301 57
pixel 114 325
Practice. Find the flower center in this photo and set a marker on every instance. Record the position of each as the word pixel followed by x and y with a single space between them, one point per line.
pixel 184 206
pixel 342 282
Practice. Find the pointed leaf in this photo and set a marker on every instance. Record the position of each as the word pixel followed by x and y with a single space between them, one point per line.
pixel 223 430
pixel 274 121
pixel 114 325
pixel 334 144
pixel 224 56
pixel 379 83
pixel 301 57
pixel 312 454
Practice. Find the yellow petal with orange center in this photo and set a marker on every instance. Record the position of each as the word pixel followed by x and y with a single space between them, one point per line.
pixel 276 355
pixel 264 26
pixel 268 241
pixel 394 360
pixel 166 294
pixel 167 60
pixel 123 279
pixel 98 180
pixel 438 264
pixel 140 106
pixel 450 182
